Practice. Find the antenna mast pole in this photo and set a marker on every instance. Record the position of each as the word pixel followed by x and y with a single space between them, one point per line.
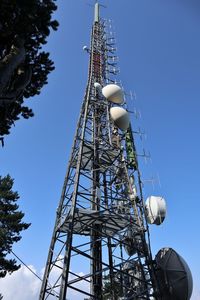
pixel 96 244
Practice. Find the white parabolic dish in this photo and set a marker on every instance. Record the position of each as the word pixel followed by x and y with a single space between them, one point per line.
pixel 97 86
pixel 113 93
pixel 155 209
pixel 120 117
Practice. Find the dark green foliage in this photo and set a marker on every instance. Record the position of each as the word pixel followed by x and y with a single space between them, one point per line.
pixel 11 224
pixel 24 27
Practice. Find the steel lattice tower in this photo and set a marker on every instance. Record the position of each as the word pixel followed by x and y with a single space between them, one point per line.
pixel 100 244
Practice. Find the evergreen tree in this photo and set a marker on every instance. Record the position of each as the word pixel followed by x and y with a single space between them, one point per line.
pixel 24 67
pixel 11 225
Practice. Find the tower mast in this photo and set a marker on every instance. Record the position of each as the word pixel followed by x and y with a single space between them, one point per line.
pixel 100 244
pixel 97 202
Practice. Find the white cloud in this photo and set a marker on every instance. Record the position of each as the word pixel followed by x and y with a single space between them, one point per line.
pixel 196 292
pixel 23 285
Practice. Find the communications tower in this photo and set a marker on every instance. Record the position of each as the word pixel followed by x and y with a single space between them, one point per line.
pixel 100 244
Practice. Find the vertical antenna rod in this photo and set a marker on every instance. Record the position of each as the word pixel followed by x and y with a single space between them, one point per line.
pixel 96 12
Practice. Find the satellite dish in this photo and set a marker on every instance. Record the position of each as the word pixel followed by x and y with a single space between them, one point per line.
pixel 155 209
pixel 132 240
pixel 120 117
pixel 97 86
pixel 132 244
pixel 129 246
pixel 85 48
pixel 113 93
pixel 173 275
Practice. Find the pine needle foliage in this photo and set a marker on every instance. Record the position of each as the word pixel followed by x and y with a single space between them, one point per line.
pixel 11 224
pixel 24 66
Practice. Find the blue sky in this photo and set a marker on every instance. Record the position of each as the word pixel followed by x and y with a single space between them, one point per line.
pixel 158 45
